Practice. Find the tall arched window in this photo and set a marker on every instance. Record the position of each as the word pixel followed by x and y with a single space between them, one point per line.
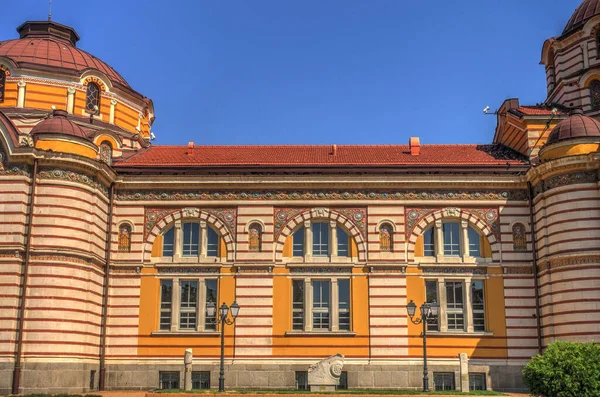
pixel 597 42
pixel 106 152
pixel 2 84
pixel 385 238
pixel 92 98
pixel 254 237
pixel 429 242
pixel 474 243
pixel 595 94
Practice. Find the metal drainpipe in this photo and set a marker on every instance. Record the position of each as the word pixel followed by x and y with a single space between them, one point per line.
pixel 19 340
pixel 102 376
pixel 535 272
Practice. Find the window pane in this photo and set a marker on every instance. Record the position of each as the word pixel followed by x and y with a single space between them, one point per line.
pixel 166 301
pixel 474 243
pixel 451 239
pixel 478 305
pixel 168 380
pixel 320 239
pixel 298 242
pixel 191 232
pixel 302 380
pixel 92 98
pixel 298 304
pixel 212 247
pixel 200 380
pixel 454 294
pixel 343 241
pixel 168 238
pixel 344 304
pixel 477 381
pixel 430 297
pixel 321 304
pixel 210 322
pixel 443 381
pixel 343 381
pixel 188 304
pixel 456 321
pixel 429 243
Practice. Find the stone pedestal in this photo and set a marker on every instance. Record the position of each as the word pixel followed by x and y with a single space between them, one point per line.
pixel 464 372
pixel 324 376
pixel 187 375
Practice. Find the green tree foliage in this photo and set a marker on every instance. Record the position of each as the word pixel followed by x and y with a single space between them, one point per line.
pixel 566 369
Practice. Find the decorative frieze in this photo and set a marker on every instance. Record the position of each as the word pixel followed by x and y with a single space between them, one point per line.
pixel 188 270
pixel 126 270
pixel 322 195
pixel 254 269
pixel 71 176
pixel 387 269
pixel 454 270
pixel 517 270
pixel 570 261
pixel 320 269
pixel 6 169
pixel 571 178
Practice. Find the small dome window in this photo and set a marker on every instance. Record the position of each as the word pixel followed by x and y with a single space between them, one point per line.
pixel 2 84
pixel 92 98
pixel 106 153
pixel 595 94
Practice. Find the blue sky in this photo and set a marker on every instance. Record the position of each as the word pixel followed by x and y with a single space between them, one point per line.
pixel 316 71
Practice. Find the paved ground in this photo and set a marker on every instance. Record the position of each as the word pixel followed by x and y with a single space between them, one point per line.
pixel 135 393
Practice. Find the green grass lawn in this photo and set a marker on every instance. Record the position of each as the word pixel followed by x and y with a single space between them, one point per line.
pixel 351 391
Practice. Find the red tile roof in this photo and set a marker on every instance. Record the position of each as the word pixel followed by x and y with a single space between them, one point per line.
pixel 536 111
pixel 322 156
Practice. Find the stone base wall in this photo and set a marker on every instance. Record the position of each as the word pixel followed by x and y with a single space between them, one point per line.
pixel 75 378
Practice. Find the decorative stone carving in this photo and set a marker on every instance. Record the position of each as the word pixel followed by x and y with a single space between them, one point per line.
pixel 26 140
pixel 325 375
pixel 320 212
pixel 187 376
pixel 191 212
pixel 452 211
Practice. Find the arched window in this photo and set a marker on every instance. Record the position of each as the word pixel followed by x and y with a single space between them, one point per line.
pixel 212 248
pixel 320 234
pixel 298 242
pixel 519 237
pixel 106 153
pixel 385 238
pixel 343 242
pixel 474 243
pixel 168 242
pixel 451 231
pixel 92 98
pixel 429 242
pixel 595 94
pixel 2 84
pixel 597 42
pixel 190 241
pixel 254 237
pixel 125 238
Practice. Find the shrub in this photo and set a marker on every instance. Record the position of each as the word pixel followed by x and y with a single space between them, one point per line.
pixel 565 369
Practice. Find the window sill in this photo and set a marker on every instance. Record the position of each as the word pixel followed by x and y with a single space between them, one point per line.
pixel 459 333
pixel 185 333
pixel 320 333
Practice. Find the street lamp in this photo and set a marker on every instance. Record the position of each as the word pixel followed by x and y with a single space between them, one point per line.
pixel 429 312
pixel 223 319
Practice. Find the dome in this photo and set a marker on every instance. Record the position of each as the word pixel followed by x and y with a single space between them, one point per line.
pixel 575 126
pixel 583 13
pixel 49 46
pixel 58 124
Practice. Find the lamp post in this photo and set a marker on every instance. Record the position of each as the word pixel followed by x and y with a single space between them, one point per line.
pixel 223 319
pixel 429 312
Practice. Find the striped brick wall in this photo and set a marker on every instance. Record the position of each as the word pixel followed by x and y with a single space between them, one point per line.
pixel 254 326
pixel 395 216
pixel 123 315
pixel 387 316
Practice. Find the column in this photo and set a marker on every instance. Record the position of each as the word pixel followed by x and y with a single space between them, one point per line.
pixel 308 241
pixel 21 94
pixel 307 305
pixel 70 99
pixel 464 239
pixel 203 241
pixel 113 104
pixel 201 312
pixel 585 55
pixel 439 240
pixel 333 248
pixel 176 303
pixel 468 310
pixel 334 305
pixel 177 240
pixel 443 318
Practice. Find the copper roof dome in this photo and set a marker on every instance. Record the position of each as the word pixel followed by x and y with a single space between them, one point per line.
pixel 586 10
pixel 58 124
pixel 575 126
pixel 50 46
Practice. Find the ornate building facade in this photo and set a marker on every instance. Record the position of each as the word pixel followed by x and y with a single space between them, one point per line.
pixel 112 248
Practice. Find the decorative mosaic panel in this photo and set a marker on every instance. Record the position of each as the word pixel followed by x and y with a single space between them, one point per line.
pixel 357 216
pixel 188 270
pixel 153 215
pixel 283 216
pixel 227 216
pixel 576 260
pixel 70 176
pixel 518 270
pixel 324 195
pixel 320 270
pixel 572 178
pixel 414 216
pixel 488 215
pixel 455 270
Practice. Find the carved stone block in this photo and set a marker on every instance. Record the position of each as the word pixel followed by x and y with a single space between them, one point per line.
pixel 325 375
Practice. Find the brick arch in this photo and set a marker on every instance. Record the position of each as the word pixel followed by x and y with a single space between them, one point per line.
pixel 440 214
pixel 331 215
pixel 193 215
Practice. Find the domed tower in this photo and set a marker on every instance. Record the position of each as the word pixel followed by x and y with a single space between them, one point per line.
pixel 572 62
pixel 566 212
pixel 65 117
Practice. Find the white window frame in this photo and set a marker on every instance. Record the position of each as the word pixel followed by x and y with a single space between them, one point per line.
pixel 334 306
pixel 332 256
pixel 178 242
pixel 176 309
pixel 464 255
